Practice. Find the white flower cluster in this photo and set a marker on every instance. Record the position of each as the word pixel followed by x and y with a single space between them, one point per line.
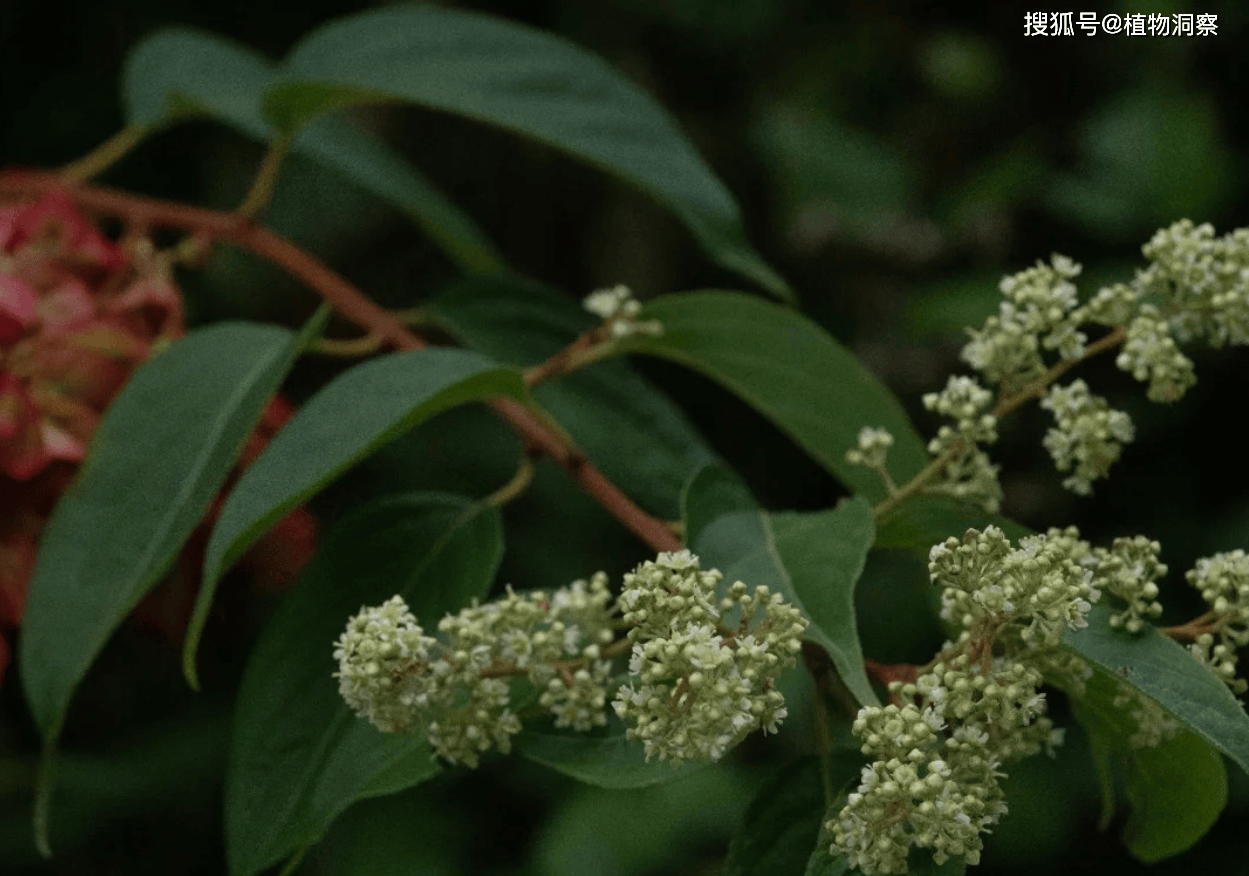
pixel 374 656
pixel 1223 580
pixel 872 450
pixel 938 747
pixel 1205 280
pixel 456 691
pixel 1039 588
pixel 934 784
pixel 1038 310
pixel 1087 436
pixel 941 803
pixel 1150 354
pixel 620 309
pixel 1130 570
pixel 701 687
pixel 702 691
pixel 1196 285
pixel 969 475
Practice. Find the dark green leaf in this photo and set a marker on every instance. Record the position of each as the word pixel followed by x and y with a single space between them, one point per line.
pixel 824 863
pixel 525 81
pixel 822 166
pixel 1102 752
pixel 814 560
pixel 1175 790
pixel 635 435
pixel 159 455
pixel 354 414
pixel 604 832
pixel 779 832
pixel 923 521
pixel 1149 155
pixel 792 372
pixel 517 321
pixel 606 761
pixel 1165 671
pixel 299 757
pixel 712 492
pixel 178 73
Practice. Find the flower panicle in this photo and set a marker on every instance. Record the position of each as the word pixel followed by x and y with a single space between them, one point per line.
pixel 1195 286
pixel 696 689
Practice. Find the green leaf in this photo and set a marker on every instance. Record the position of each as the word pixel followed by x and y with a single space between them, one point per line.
pixel 354 414
pixel 298 756
pixel 610 761
pixel 779 832
pixel 824 863
pixel 162 450
pixel 521 322
pixel 1148 155
pixel 633 432
pixel 1176 789
pixel 180 73
pixel 792 372
pixel 814 560
pixel 522 80
pixel 603 832
pixel 1166 672
pixel 712 492
pixel 1101 749
pixel 923 521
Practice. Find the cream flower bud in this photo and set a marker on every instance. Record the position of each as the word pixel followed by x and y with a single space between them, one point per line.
pixel 701 691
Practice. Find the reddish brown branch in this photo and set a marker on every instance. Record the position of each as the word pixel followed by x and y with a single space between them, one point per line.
pixel 348 301
pixel 1210 622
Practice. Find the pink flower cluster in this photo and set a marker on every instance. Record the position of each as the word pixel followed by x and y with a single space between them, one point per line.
pixel 78 313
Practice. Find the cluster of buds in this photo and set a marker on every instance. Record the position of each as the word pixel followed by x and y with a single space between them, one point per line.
pixel 1130 570
pixel 1204 280
pixel 872 451
pixel 79 313
pixel 969 475
pixel 619 309
pixel 1038 311
pixel 934 779
pixel 1087 437
pixel 1031 592
pixel 1151 355
pixel 938 747
pixel 1223 580
pixel 1196 286
pixel 456 690
pixel 701 688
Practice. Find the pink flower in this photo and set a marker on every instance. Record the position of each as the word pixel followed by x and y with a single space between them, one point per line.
pixel 17 308
pixel 77 314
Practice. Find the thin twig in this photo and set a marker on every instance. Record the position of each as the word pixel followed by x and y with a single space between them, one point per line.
pixel 1006 405
pixel 261 192
pixel 351 303
pixel 106 154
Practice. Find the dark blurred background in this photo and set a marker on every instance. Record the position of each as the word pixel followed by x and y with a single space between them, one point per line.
pixel 893 160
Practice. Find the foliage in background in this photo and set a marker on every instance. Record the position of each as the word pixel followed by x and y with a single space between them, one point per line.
pixel 891 166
